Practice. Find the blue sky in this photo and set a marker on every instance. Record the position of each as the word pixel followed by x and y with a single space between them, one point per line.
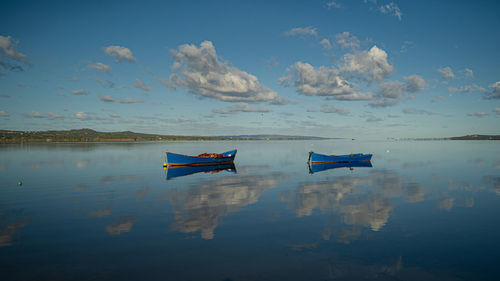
pixel 363 69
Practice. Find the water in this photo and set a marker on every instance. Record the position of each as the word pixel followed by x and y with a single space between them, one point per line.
pixel 424 211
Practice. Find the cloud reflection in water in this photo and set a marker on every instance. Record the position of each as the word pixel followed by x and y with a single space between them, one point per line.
pixel 199 207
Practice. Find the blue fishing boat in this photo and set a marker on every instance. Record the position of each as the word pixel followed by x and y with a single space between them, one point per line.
pixel 314 168
pixel 316 158
pixel 174 159
pixel 179 171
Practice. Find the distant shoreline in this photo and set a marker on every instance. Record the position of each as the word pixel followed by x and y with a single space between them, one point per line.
pixel 89 136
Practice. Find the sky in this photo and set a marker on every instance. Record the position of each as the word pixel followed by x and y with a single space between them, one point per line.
pixel 368 69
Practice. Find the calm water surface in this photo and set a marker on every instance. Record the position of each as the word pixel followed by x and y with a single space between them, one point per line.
pixel 424 211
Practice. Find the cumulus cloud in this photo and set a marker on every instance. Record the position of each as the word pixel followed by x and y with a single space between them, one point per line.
pixel 333 109
pixel 391 9
pixel 414 83
pixel 302 31
pixel 322 81
pixel 372 65
pixel 477 114
pixel 469 73
pixel 241 107
pixel 388 94
pixel 121 54
pixel 446 72
pixel 4 113
pixel 140 85
pixel 100 66
pixel 200 71
pixel 46 115
pixel 333 5
pixel 80 92
pixel 495 93
pixel 82 116
pixel 496 111
pixel 347 40
pixel 326 44
pixel 8 47
pixel 106 98
pixel 129 100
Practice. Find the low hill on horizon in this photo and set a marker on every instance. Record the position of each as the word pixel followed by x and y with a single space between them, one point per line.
pixel 89 135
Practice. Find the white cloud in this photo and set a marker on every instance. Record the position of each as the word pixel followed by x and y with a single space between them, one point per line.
pixel 35 114
pixel 417 111
pixel 241 107
pixel 200 71
pixel 406 46
pixel 495 94
pixel 326 44
pixel 414 83
pixel 446 72
pixel 372 64
pixel 129 100
pixel 496 111
pixel 8 47
pixel 477 114
pixel 469 73
pixel 80 92
pixel 121 54
pixel 388 94
pixel 470 88
pixel 140 85
pixel 4 113
pixel 114 115
pixel 390 115
pixel 391 8
pixel 107 98
pixel 347 40
pixel 333 5
pixel 81 115
pixel 100 66
pixel 321 81
pixel 46 115
pixel 302 31
pixel 333 109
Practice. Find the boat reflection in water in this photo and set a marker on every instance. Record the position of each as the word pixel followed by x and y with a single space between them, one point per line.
pixel 314 168
pixel 179 171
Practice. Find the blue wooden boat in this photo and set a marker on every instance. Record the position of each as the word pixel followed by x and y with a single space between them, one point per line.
pixel 179 171
pixel 316 158
pixel 314 168
pixel 174 159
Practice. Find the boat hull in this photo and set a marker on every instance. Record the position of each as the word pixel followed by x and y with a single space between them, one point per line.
pixel 314 168
pixel 174 159
pixel 316 158
pixel 179 171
